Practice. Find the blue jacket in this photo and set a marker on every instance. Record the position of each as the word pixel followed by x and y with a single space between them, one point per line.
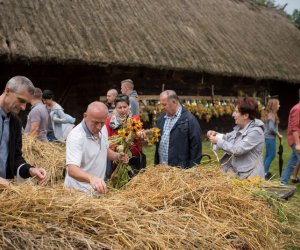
pixel 185 145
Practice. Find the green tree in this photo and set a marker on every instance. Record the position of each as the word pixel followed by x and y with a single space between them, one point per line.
pixel 296 18
pixel 269 3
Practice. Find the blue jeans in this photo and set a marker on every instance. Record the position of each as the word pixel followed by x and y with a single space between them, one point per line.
pixel 109 169
pixel 270 153
pixel 51 136
pixel 293 160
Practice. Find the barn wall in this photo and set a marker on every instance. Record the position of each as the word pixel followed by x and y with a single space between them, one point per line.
pixel 77 85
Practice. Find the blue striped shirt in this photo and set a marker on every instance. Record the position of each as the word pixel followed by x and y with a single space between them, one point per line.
pixel 163 149
pixel 4 139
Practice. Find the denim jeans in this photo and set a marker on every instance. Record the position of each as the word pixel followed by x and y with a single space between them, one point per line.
pixel 109 169
pixel 270 153
pixel 51 136
pixel 293 160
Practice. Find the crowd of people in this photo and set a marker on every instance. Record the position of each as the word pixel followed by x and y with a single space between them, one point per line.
pixel 89 158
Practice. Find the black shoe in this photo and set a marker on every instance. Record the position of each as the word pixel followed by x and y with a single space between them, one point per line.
pixel 268 175
pixel 295 180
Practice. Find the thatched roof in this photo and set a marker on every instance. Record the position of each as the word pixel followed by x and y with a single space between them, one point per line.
pixel 225 37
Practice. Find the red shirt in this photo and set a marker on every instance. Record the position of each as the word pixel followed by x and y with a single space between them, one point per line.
pixel 136 147
pixel 294 123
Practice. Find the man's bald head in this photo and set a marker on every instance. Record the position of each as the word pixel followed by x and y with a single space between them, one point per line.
pixel 96 107
pixel 111 95
pixel 95 117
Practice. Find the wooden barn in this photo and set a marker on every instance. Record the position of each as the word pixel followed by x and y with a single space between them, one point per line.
pixel 80 49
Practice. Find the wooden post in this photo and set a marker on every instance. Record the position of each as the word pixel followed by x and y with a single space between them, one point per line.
pixel 213 94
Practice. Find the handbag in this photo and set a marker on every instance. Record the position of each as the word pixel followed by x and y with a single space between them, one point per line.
pixel 138 162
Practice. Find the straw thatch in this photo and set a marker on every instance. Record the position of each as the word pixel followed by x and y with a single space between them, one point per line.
pixel 225 37
pixel 48 155
pixel 163 208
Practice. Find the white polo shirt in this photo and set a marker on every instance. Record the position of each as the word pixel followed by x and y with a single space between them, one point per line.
pixel 86 152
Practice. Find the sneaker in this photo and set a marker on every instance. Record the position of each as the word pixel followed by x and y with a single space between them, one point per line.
pixel 295 180
pixel 268 175
pixel 282 184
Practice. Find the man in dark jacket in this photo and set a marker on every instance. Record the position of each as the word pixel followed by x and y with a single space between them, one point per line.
pixel 180 141
pixel 18 92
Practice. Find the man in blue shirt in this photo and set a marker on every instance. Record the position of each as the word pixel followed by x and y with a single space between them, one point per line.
pixel 180 141
pixel 17 93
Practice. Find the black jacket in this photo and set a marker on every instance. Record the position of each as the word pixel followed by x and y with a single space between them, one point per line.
pixel 15 158
pixel 185 145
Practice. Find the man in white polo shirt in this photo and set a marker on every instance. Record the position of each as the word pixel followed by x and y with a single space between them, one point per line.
pixel 87 151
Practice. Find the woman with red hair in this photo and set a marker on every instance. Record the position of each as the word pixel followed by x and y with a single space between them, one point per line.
pixel 243 146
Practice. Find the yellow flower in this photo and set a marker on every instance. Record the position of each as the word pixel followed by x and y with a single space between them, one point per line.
pixel 156 132
pixel 152 135
pixel 123 133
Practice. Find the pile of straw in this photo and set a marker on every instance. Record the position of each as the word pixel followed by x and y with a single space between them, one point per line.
pixel 162 208
pixel 48 155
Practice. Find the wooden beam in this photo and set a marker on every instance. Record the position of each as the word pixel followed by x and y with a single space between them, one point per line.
pixel 183 97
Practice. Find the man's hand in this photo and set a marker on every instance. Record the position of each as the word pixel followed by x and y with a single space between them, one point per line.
pixel 297 148
pixel 39 173
pixel 123 157
pixel 98 184
pixel 4 182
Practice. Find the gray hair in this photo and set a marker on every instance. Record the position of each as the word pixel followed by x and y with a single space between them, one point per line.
pixel 113 91
pixel 171 94
pixel 20 83
pixel 128 83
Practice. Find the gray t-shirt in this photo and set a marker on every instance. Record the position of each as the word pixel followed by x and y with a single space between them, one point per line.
pixel 39 114
pixel 134 103
pixel 271 129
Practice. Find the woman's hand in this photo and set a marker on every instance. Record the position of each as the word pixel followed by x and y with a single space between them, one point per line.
pixel 213 139
pixel 211 133
pixel 141 134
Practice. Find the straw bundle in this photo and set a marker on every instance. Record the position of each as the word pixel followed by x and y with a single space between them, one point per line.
pixel 162 208
pixel 50 156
